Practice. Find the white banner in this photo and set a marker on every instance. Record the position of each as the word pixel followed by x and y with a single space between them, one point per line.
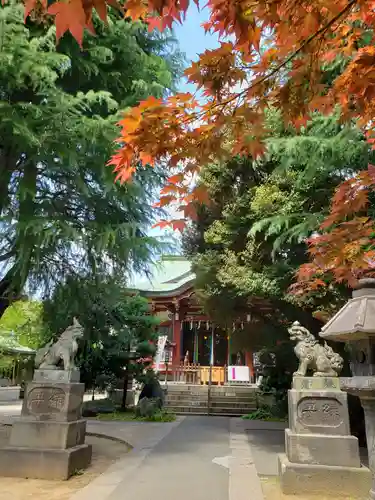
pixel 238 374
pixel 162 340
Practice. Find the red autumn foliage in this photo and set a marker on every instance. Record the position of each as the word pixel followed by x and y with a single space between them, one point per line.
pixel 345 249
pixel 271 53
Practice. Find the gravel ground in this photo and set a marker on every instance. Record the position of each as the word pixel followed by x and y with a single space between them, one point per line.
pixel 271 491
pixel 105 452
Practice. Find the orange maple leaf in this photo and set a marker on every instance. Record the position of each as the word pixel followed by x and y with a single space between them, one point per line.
pixel 29 6
pixel 69 16
pixel 135 9
pixel 155 23
pixel 175 179
pixel 164 201
pixel 178 224
pixel 146 159
pixel 162 224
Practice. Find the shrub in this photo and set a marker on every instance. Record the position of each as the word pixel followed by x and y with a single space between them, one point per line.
pixel 266 413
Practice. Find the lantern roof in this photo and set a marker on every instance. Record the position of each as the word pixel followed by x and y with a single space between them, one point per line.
pixel 356 319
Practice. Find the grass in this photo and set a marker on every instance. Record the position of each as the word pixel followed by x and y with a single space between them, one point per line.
pixel 106 410
pixel 130 416
pixel 266 414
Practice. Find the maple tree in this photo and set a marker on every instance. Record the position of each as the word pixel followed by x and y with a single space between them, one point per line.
pixel 276 53
pixel 271 52
pixel 344 248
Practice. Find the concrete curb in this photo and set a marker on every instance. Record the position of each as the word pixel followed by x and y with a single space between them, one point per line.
pixel 244 482
pixel 110 438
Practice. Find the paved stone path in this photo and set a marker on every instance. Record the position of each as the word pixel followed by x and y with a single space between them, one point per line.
pixel 180 466
pixel 267 440
pixel 192 458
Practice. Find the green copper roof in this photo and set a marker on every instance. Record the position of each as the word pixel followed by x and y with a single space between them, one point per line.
pixel 8 345
pixel 172 274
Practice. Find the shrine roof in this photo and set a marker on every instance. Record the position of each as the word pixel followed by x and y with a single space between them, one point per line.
pixel 170 276
pixel 9 345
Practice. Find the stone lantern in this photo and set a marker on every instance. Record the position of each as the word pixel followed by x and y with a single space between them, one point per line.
pixel 355 325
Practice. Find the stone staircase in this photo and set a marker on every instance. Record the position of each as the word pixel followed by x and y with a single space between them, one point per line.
pixel 225 400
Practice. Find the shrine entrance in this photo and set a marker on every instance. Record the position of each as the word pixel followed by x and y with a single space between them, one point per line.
pixel 204 344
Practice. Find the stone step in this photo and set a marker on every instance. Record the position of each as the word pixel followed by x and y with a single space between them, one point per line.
pixel 225 404
pixel 199 404
pixel 176 399
pixel 181 410
pixel 233 398
pixel 186 395
pixel 230 411
pixel 214 388
pixel 230 406
pixel 219 402
pixel 191 410
pixel 213 397
pixel 243 395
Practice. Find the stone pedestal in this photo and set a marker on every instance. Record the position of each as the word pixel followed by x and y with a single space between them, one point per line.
pixel 321 455
pixel 48 440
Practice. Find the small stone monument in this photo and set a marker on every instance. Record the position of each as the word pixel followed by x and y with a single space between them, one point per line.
pixel 48 440
pixel 321 455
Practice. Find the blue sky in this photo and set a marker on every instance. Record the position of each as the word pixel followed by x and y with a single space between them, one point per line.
pixel 192 41
pixel 192 38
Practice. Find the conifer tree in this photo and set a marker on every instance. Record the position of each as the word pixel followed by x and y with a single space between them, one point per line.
pixel 60 209
pixel 251 239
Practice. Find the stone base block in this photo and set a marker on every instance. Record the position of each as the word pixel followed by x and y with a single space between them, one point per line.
pixel 47 434
pixel 318 412
pixel 321 449
pixel 53 401
pixel 296 479
pixel 44 464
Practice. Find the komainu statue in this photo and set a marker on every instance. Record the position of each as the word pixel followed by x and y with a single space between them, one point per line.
pixel 64 348
pixel 321 359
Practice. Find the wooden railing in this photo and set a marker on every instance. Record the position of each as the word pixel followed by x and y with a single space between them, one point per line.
pixel 194 373
pixel 187 373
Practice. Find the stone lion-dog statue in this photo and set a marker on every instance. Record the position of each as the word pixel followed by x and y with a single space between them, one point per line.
pixel 64 348
pixel 321 359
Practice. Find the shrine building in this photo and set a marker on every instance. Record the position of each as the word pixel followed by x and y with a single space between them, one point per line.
pixel 197 342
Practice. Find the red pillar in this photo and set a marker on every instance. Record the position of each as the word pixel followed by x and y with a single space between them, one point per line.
pixel 249 363
pixel 177 340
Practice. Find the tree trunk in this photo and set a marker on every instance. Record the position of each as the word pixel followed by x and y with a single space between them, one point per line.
pixel 4 304
pixel 11 285
pixel 9 291
pixel 125 387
